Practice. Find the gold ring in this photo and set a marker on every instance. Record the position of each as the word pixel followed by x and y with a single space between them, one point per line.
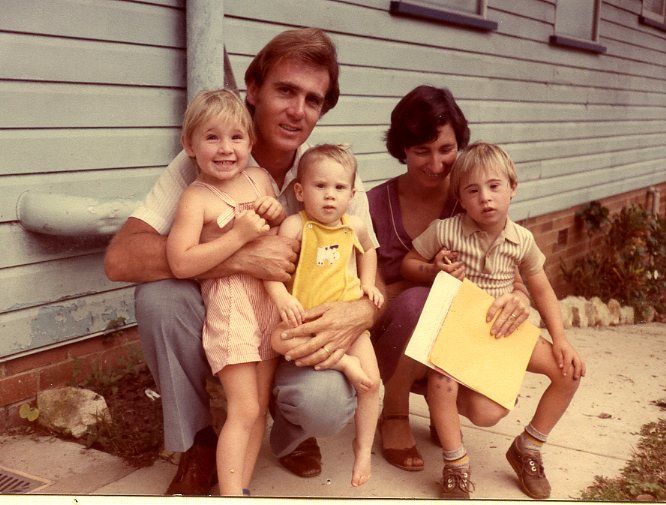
pixel 326 349
pixel 513 316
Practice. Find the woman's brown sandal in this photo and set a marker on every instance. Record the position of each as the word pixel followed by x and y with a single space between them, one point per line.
pixel 399 457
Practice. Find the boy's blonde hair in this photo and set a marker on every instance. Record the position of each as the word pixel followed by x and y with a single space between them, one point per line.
pixel 208 104
pixel 340 153
pixel 481 155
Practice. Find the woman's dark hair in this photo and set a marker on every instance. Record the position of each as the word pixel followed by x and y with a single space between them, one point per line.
pixel 417 116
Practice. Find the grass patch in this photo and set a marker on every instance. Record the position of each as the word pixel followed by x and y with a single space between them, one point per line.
pixel 644 476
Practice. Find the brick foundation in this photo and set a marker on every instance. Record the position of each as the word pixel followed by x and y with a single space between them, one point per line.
pixel 22 378
pixel 563 239
pixel 559 236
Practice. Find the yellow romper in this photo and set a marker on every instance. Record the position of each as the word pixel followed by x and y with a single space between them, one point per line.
pixel 323 273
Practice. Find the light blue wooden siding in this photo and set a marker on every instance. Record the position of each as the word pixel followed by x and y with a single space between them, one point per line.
pixel 92 93
pixel 91 98
pixel 581 126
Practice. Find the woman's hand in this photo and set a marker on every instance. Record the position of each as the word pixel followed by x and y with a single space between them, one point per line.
pixel 513 309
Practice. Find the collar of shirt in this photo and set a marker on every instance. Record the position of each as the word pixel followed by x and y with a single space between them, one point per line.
pixel 509 232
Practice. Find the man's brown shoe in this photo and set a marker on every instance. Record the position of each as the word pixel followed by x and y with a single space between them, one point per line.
pixel 456 484
pixel 196 472
pixel 529 469
pixel 305 460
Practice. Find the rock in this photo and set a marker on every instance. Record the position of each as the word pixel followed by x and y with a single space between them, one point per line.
pixel 645 497
pixel 627 315
pixel 577 306
pixel 602 315
pixel 71 411
pixel 614 308
pixel 566 309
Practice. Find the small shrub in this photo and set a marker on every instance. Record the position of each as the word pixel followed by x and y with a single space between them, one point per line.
pixel 630 263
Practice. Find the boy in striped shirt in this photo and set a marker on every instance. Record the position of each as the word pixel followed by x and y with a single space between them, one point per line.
pixel 485 246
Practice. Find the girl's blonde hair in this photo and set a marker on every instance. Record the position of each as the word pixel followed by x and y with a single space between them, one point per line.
pixel 213 103
pixel 478 156
pixel 336 152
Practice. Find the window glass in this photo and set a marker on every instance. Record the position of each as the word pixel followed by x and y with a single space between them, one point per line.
pixel 467 6
pixel 576 18
pixel 655 6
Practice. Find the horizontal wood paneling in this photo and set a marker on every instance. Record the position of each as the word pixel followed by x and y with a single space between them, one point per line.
pixel 20 247
pixel 54 105
pixel 67 60
pixel 553 203
pixel 60 321
pixel 245 38
pixel 39 284
pixel 344 18
pixel 66 150
pixel 129 22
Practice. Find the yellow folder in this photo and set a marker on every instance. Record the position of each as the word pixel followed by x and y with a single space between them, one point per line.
pixel 465 349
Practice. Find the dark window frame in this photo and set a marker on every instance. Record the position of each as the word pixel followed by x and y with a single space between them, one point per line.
pixel 653 19
pixel 444 15
pixel 590 45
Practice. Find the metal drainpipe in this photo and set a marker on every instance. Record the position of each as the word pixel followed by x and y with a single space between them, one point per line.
pixel 69 215
pixel 205 45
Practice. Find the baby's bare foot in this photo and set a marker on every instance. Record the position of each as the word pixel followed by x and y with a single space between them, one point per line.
pixel 362 465
pixel 351 367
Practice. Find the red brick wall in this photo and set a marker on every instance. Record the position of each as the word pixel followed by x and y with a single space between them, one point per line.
pixel 562 238
pixel 72 364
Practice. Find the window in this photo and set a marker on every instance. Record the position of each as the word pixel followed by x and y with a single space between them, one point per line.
pixel 577 25
pixel 467 13
pixel 654 13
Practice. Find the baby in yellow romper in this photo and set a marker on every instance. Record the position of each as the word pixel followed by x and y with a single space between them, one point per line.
pixel 337 263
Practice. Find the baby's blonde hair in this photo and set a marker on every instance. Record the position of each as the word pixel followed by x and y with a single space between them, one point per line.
pixel 213 103
pixel 340 153
pixel 478 156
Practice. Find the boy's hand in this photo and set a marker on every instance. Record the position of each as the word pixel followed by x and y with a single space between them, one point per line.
pixel 446 261
pixel 568 360
pixel 250 225
pixel 374 294
pixel 291 310
pixel 268 208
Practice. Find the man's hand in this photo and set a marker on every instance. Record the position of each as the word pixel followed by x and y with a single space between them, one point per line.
pixel 268 258
pixel 333 328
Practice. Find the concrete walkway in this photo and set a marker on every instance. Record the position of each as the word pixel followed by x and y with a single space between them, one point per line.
pixel 626 374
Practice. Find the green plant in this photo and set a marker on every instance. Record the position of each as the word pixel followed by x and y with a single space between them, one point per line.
pixel 629 264
pixel 644 476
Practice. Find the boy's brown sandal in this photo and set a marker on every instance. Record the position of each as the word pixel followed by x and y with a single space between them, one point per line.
pixel 456 484
pixel 529 469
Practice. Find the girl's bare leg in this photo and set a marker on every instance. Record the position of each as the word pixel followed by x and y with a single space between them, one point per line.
pixel 265 372
pixel 240 388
